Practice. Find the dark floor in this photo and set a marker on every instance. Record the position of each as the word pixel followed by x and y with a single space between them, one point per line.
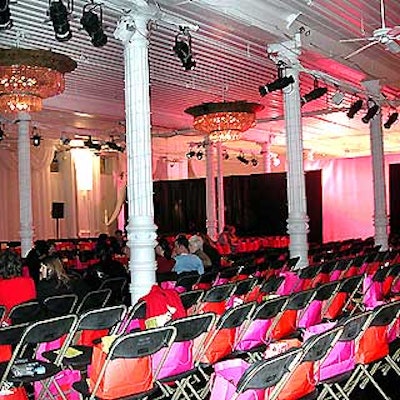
pixel 390 385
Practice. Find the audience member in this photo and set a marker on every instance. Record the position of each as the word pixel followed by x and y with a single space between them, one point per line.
pixel 164 260
pixel 118 242
pixel 102 244
pixel 184 261
pixel 211 250
pixel 34 258
pixel 196 247
pixel 53 279
pixel 228 237
pixel 14 288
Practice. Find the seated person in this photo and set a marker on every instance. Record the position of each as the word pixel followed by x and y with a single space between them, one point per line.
pixel 14 288
pixel 184 261
pixel 211 250
pixel 196 247
pixel 35 256
pixel 164 259
pixel 53 280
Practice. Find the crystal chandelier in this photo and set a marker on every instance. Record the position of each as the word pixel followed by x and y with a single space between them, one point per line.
pixel 224 121
pixel 29 76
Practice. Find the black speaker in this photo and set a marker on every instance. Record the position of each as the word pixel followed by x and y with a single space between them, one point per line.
pixel 57 211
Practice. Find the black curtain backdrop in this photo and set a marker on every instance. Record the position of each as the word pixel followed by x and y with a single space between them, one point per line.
pixel 254 204
pixel 394 198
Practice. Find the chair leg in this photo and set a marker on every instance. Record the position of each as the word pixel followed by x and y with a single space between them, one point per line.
pixel 374 382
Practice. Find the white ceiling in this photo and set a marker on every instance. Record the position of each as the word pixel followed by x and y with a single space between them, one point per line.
pixel 230 52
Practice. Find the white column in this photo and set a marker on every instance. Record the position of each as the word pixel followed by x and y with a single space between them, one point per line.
pixel 211 223
pixel 220 189
pixel 24 180
pixel 297 221
pixel 132 31
pixel 378 170
pixel 266 156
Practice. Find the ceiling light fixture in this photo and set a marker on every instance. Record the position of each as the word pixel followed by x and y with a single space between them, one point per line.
pixel 29 76
pixel 315 94
pixel 224 121
pixel 254 161
pixel 354 108
pixel 5 15
pixel 338 97
pixel 391 120
pixel 183 48
pixel 190 154
pixel 199 155
pixel 59 14
pixel 36 138
pixel 92 24
pixel 371 112
pixel 225 155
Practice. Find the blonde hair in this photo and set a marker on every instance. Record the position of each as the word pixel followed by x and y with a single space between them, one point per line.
pixel 196 242
pixel 55 269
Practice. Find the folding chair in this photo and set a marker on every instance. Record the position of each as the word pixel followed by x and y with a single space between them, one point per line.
pixel 352 330
pixel 325 293
pixel 227 274
pixel 25 368
pixel 271 374
pixel 2 313
pixel 373 346
pixel 56 306
pixel 30 311
pixel 206 281
pixel 191 298
pixel 131 355
pixel 351 287
pixel 244 287
pixel 91 326
pixel 181 356
pixel 215 299
pixel 257 332
pixel 222 339
pixel 94 300
pixel 9 337
pixel 307 276
pixel 117 286
pixel 299 303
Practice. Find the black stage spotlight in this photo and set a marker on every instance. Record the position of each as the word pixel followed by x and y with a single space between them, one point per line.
pixel 58 13
pixel 92 145
pixel 371 112
pixel 315 94
pixel 1 134
pixel 199 155
pixel 5 15
pixel 278 84
pixel 391 120
pixel 242 158
pixel 190 154
pixel 225 155
pixel 183 49
pixel 254 162
pixel 36 138
pixel 92 24
pixel 354 108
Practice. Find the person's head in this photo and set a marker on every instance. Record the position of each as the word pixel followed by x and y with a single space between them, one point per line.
pixel 181 245
pixel 42 248
pixel 10 264
pixel 163 248
pixel 118 234
pixel 195 243
pixel 52 268
pixel 102 238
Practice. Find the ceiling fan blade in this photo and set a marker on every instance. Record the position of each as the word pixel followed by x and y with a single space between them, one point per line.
pixel 356 40
pixel 361 49
pixel 393 46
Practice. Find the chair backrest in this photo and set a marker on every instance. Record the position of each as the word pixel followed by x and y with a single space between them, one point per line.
pixel 191 298
pixel 298 301
pixel 190 328
pixel 103 318
pixel 325 291
pixel 248 270
pixel 328 266
pixel 270 308
pixel 2 312
pixel 56 306
pixel 117 286
pixel 94 300
pixel 272 284
pixel 350 285
pixel 187 281
pixel 135 312
pixel 11 335
pixel 271 372
pixel 292 262
pixel 208 277
pixel 353 326
pixel 228 273
pixel 30 311
pixel 244 286
pixel 218 293
pixel 309 272
pixel 317 347
pixel 235 316
pixel 386 314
